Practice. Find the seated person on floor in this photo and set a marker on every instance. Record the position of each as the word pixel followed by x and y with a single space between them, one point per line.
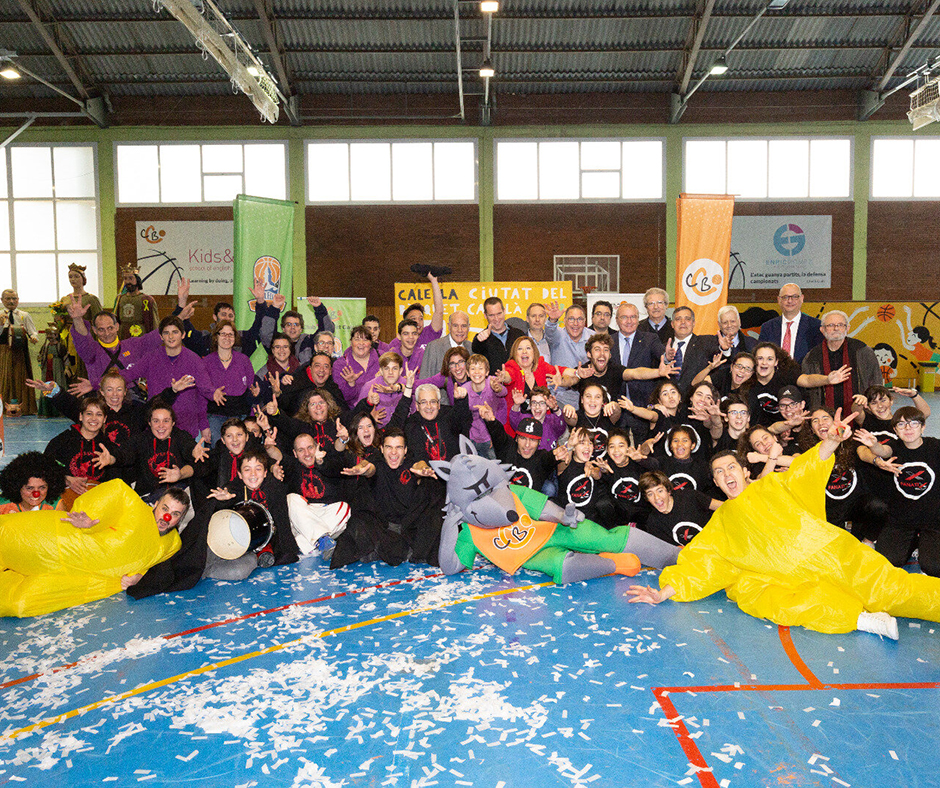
pixel 770 548
pixel 161 457
pixel 50 562
pixel 684 469
pixel 401 517
pixel 622 469
pixel 579 470
pixel 315 478
pixel 29 482
pixel 195 560
pixel 914 504
pixel 221 465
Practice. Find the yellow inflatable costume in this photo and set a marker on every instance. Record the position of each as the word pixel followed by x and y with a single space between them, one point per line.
pixel 47 564
pixel 775 555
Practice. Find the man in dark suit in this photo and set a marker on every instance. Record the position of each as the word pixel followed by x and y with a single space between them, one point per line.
pixel 793 331
pixel 730 340
pixel 686 350
pixel 642 349
pixel 656 302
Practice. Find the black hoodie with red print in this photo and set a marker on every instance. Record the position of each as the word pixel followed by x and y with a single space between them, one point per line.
pixel 76 455
pixel 147 455
pixel 435 439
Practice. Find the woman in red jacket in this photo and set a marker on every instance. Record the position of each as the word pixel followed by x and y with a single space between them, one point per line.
pixel 526 369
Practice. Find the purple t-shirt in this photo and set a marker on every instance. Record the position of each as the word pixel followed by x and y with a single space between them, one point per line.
pixel 351 393
pixel 478 431
pixel 427 335
pixel 96 358
pixel 160 370
pixel 387 401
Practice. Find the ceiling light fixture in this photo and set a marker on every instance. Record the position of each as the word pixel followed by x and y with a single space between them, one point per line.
pixel 486 70
pixel 720 66
pixel 489 6
pixel 10 73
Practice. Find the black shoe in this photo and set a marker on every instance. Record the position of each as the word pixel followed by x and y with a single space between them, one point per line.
pixel 437 271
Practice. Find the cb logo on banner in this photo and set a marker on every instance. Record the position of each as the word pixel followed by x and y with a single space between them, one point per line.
pixel 702 281
pixel 268 270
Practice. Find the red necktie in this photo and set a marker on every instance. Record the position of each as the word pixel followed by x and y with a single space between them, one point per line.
pixel 786 338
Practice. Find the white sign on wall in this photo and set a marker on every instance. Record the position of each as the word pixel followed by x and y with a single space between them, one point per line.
pixel 199 251
pixel 769 251
pixel 616 299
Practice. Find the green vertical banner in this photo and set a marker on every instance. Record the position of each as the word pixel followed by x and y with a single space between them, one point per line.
pixel 346 313
pixel 264 244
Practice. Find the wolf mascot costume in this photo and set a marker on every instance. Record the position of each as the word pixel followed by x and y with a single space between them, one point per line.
pixel 514 526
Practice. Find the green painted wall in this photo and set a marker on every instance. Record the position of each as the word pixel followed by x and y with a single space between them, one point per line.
pixel 486 137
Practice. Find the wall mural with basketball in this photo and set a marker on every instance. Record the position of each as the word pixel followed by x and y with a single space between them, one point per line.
pixel 903 334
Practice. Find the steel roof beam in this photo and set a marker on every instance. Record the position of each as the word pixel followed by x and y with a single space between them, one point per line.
pixel 55 46
pixel 918 28
pixel 699 26
pixel 269 31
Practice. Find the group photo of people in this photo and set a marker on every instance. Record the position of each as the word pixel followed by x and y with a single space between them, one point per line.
pixel 324 452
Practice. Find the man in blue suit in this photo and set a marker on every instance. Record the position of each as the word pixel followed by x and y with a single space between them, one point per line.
pixel 643 349
pixel 793 331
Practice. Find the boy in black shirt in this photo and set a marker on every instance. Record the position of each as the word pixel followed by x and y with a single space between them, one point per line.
pixel 678 515
pixel 531 466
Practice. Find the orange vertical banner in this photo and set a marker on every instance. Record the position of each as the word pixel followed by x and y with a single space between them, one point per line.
pixel 704 248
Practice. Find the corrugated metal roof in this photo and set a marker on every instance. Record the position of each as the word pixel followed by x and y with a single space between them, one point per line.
pixel 126 47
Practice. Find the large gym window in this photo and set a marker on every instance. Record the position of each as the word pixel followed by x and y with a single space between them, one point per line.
pixel 200 173
pixel 375 171
pixel 590 170
pixel 48 219
pixel 905 168
pixel 769 169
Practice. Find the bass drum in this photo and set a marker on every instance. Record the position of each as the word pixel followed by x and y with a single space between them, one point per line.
pixel 247 526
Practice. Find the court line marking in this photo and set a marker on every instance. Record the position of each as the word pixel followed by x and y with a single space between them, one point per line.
pixel 213 624
pixel 12 735
pixel 689 746
pixel 786 640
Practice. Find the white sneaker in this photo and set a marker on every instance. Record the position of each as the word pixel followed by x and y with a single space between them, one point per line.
pixel 878 624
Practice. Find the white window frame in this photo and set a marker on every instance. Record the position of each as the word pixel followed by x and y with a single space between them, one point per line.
pixel 579 140
pixel 11 199
pixel 800 138
pixel 871 168
pixel 166 143
pixel 393 141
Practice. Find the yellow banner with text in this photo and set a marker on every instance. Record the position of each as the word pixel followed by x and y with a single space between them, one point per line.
pixel 469 297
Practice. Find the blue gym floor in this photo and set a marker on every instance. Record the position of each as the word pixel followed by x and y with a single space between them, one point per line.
pixel 375 676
